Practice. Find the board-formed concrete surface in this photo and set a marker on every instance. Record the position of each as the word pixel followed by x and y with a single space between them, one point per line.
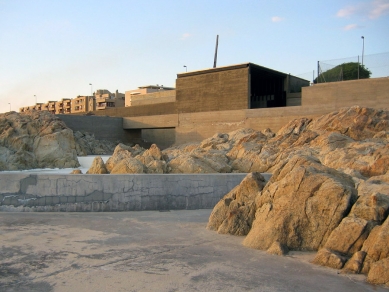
pixel 147 251
pixel 135 192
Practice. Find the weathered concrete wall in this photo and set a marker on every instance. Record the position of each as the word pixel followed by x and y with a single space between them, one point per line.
pixel 164 138
pixel 194 127
pixel 43 192
pixel 104 128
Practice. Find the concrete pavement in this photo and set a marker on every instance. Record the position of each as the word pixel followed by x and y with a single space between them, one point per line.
pixel 147 251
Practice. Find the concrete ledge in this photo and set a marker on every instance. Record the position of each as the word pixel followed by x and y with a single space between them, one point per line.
pixel 78 193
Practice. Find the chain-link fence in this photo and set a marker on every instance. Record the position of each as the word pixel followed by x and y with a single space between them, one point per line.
pixel 374 66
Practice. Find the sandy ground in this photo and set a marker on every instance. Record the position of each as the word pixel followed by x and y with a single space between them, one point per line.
pixel 147 251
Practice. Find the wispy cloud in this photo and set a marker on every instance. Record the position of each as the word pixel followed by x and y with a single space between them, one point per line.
pixel 185 36
pixel 277 19
pixel 379 8
pixel 347 11
pixel 351 26
pixel 371 9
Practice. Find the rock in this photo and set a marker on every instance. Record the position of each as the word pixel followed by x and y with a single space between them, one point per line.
pixel 234 213
pixel 153 159
pixel 86 144
pixel 97 167
pixel 278 249
pixel 214 141
pixel 76 171
pixel 157 166
pixel 373 200
pixel 354 265
pixel 376 245
pixel 54 149
pixel 36 139
pixel 128 165
pixel 350 235
pixel 122 152
pixel 356 122
pixel 187 163
pixel 379 272
pixel 300 206
pixel 327 258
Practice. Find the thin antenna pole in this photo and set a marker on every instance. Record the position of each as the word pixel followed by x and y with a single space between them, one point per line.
pixel 215 59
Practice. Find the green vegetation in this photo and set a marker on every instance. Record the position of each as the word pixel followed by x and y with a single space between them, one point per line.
pixel 345 71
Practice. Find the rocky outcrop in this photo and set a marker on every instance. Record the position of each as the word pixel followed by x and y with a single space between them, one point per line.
pixel 35 140
pixel 329 191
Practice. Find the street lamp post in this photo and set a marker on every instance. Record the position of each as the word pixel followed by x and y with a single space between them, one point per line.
pixel 36 101
pixel 186 68
pixel 9 106
pixel 91 89
pixel 363 47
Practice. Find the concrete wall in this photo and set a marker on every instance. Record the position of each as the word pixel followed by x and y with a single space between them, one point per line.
pixel 332 95
pixel 151 98
pixel 32 192
pixel 141 110
pixel 194 127
pixel 104 128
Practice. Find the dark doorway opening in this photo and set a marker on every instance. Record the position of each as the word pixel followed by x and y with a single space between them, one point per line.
pixel 266 88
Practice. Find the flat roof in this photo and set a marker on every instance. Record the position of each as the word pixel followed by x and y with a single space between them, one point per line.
pixel 154 86
pixel 230 67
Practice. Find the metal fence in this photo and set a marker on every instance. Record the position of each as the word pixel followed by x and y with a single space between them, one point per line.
pixel 358 67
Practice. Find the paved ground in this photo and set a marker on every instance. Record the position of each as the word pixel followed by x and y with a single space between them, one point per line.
pixel 147 251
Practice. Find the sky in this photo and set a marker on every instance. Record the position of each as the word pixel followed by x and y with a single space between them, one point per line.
pixel 54 49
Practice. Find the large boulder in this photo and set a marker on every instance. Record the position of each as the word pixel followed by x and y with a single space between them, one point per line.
pixel 369 210
pixel 234 213
pixel 122 152
pixel 328 258
pixel 97 167
pixel 57 149
pixel 36 139
pixel 129 165
pixel 379 272
pixel 301 205
pixel 376 245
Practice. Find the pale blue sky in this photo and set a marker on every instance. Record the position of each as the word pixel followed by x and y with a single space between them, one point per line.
pixel 55 49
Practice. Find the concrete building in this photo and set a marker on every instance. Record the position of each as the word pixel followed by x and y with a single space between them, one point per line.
pixel 243 86
pixel 200 111
pixel 149 94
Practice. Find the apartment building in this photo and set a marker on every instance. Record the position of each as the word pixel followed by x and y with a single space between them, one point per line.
pixel 80 104
pixel 104 99
pixel 63 106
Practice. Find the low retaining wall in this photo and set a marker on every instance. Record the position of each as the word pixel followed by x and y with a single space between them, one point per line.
pixel 79 193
